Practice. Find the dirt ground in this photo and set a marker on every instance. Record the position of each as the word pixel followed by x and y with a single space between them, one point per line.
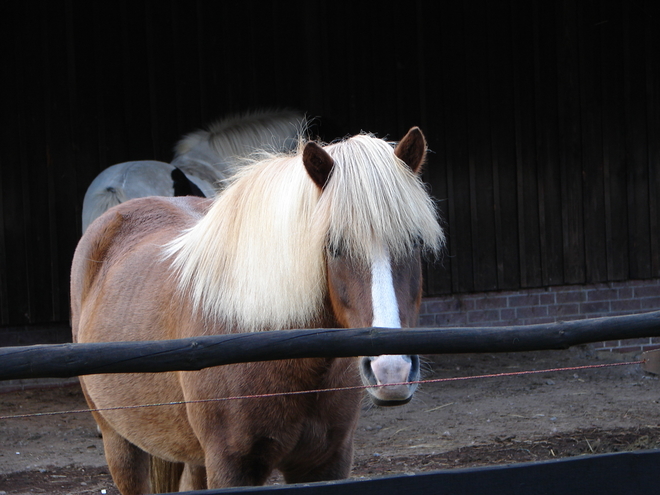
pixel 448 425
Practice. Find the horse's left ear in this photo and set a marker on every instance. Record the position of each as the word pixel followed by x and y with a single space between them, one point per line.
pixel 412 149
pixel 317 163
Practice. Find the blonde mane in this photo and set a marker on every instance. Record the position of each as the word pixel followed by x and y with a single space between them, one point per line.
pixel 256 261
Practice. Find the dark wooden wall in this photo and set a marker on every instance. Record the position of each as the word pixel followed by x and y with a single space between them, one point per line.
pixel 543 118
pixel 547 141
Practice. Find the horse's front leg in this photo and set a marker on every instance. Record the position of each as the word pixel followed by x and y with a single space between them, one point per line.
pixel 128 464
pixel 243 466
pixel 336 467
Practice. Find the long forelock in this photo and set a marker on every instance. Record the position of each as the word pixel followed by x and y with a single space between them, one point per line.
pixel 374 200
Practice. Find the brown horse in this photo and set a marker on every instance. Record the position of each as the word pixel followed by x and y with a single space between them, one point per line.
pixel 329 237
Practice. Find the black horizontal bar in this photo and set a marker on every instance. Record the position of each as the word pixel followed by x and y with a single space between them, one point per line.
pixel 66 360
pixel 632 473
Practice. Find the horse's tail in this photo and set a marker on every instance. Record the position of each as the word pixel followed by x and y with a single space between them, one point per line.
pixel 165 476
pixel 98 202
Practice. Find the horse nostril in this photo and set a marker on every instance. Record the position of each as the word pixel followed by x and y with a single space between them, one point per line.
pixel 414 368
pixel 367 372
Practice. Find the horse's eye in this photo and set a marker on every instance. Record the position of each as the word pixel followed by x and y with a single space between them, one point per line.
pixel 335 250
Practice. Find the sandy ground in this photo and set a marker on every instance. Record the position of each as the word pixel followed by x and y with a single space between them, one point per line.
pixel 447 425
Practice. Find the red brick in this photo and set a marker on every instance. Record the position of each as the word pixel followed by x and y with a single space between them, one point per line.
pixel 564 309
pixel 570 297
pixel 434 306
pixel 483 316
pixel 599 308
pixel 650 291
pixel 426 321
pixel 650 303
pixel 532 312
pixel 451 320
pixel 625 293
pixel 602 295
pixel 508 315
pixel 547 299
pixel 626 305
pixel 466 304
pixel 628 349
pixel 489 302
pixel 523 300
pixel 642 341
pixel 551 304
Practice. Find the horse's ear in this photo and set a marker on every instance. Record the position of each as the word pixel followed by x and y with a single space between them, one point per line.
pixel 412 149
pixel 318 163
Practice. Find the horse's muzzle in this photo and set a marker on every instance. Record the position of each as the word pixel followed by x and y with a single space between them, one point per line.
pixel 393 375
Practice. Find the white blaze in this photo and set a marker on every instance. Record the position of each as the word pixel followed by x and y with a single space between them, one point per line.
pixel 383 297
pixel 387 369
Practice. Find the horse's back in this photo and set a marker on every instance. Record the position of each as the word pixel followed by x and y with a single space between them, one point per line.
pixel 121 252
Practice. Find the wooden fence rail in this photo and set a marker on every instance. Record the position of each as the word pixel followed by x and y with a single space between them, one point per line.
pixel 67 360
pixel 630 473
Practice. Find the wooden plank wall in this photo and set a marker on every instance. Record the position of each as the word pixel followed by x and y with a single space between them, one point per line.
pixel 547 114
pixel 542 117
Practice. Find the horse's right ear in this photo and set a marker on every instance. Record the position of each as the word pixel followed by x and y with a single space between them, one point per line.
pixel 317 163
pixel 412 149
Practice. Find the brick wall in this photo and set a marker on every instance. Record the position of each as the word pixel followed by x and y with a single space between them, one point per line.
pixel 546 306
